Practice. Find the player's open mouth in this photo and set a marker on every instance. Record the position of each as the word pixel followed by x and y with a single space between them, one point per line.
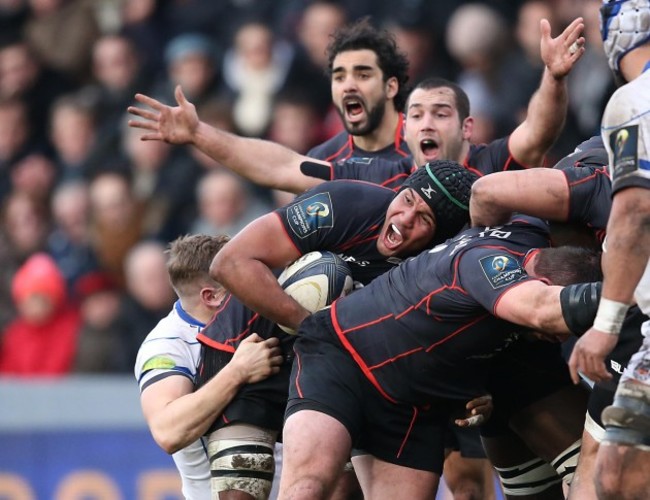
pixel 429 148
pixel 354 108
pixel 394 237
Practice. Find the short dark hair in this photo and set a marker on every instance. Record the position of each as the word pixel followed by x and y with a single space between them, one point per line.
pixel 567 265
pixel 462 101
pixel 189 258
pixel 362 35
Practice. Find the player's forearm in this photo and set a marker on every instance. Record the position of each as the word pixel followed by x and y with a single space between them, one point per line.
pixel 544 122
pixel 187 418
pixel 252 282
pixel 627 244
pixel 263 162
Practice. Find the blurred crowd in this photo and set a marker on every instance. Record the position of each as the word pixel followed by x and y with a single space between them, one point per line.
pixel 87 208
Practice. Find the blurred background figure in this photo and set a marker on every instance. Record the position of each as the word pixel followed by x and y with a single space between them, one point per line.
pixel 41 341
pixel 164 181
pixel 69 241
pixel 34 175
pixel 100 345
pixel 24 77
pixel 225 205
pixel 116 222
pixel 192 61
pixel 477 39
pixel 149 295
pixel 62 33
pixel 14 139
pixel 23 230
pixel 254 70
pixel 73 133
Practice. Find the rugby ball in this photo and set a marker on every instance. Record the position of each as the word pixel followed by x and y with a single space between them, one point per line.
pixel 315 280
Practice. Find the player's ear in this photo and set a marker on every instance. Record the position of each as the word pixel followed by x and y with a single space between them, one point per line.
pixel 211 296
pixel 468 127
pixel 392 87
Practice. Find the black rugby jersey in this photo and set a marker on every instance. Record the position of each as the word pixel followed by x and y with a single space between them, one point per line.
pixel 341 147
pixel 590 186
pixel 481 159
pixel 424 329
pixel 344 217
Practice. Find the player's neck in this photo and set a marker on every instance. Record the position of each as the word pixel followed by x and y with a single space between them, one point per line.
pixel 634 62
pixel 197 310
pixel 383 136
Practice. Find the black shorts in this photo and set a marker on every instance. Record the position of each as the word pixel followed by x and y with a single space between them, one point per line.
pixel 466 440
pixel 527 371
pixel 325 378
pixel 261 404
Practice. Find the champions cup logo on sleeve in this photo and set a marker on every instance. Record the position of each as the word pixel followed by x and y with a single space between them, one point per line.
pixel 307 216
pixel 501 270
pixel 624 144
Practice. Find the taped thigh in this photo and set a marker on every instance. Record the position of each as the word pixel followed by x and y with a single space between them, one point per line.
pixel 241 458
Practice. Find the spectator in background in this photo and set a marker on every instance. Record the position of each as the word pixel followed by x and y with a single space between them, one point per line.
pixel 164 181
pixel 14 139
pixel 295 122
pixel 62 33
pixel 73 132
pixel 100 346
pixel 42 339
pixel 23 76
pixel 116 222
pixel 318 21
pixel 225 204
pixel 117 73
pixel 254 70
pixel 149 295
pixel 476 38
pixel 191 60
pixel 69 241
pixel 34 175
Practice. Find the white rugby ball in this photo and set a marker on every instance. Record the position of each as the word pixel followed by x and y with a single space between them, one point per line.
pixel 315 280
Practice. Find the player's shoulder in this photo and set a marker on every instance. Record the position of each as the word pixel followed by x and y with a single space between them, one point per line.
pixel 331 148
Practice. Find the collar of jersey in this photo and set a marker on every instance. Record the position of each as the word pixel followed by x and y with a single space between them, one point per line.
pixel 185 316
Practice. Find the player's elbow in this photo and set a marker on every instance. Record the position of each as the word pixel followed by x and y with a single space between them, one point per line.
pixel 169 443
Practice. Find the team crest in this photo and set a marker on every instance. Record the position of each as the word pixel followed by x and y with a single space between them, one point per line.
pixel 624 144
pixel 307 216
pixel 501 270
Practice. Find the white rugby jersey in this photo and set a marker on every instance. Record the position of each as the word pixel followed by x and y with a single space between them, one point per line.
pixel 626 134
pixel 171 349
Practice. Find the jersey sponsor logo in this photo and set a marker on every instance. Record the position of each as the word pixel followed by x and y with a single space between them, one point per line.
pixel 501 270
pixel 159 363
pixel 624 143
pixel 363 160
pixel 311 214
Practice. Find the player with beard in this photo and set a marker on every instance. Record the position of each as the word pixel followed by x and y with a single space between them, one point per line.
pixel 368 80
pixel 438 126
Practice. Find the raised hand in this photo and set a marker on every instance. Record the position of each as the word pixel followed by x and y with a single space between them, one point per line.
pixel 561 53
pixel 174 125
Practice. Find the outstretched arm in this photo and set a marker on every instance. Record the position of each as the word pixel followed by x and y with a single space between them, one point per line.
pixel 541 193
pixel 177 416
pixel 547 109
pixel 263 162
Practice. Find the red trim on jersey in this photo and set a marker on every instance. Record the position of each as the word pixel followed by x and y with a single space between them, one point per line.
pixel 470 168
pixel 408 432
pixel 393 179
pixel 355 355
pixel 287 234
pixel 456 332
pixel 399 134
pixel 360 238
pixel 348 144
